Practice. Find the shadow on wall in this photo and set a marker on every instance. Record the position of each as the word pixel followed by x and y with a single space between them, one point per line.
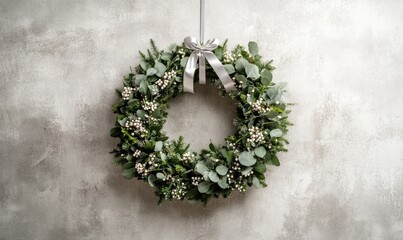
pixel 188 114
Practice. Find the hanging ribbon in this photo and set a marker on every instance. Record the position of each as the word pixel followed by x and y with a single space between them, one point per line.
pixel 200 53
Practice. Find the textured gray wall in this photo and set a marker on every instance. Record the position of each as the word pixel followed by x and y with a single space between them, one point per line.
pixel 62 60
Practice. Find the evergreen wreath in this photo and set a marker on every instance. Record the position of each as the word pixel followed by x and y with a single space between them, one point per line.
pixel 145 151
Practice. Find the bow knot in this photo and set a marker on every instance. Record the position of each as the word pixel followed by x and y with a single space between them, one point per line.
pixel 193 44
pixel 201 52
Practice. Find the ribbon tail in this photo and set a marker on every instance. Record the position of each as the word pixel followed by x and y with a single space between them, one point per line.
pixel 202 69
pixel 188 75
pixel 220 71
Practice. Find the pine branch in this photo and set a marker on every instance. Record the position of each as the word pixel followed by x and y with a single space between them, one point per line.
pixel 143 56
pixel 154 48
pixel 150 56
pixel 138 69
pixel 224 45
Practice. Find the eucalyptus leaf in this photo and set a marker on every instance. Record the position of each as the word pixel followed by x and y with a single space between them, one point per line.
pixel 252 71
pixel 160 69
pixel 151 71
pixel 222 170
pixel 240 64
pixel 276 133
pixel 266 77
pixel 205 176
pixel 260 151
pixel 139 78
pixel 240 78
pixel 256 183
pixel 210 191
pixel 151 178
pixel 213 176
pixel 160 175
pixel 158 146
pixel 229 68
pixel 122 122
pixel 143 87
pixel 253 48
pixel 218 52
pixel 246 170
pixel 204 187
pixel 144 65
pixel 272 92
pixel 184 61
pixel 163 156
pixel 166 56
pixel 246 159
pixel 223 183
pixel 224 152
pixel 201 167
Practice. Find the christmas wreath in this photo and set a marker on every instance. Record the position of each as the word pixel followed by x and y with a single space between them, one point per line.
pixel 145 151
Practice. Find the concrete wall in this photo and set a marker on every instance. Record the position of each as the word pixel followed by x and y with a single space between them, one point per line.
pixel 61 61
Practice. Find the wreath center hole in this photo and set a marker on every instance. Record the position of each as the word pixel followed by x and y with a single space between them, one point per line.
pixel 201 117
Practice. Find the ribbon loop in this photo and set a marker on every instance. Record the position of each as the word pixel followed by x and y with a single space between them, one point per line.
pixel 200 53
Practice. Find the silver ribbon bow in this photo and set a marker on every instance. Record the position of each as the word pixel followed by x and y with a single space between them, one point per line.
pixel 201 53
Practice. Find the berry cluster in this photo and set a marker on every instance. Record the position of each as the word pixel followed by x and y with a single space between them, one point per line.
pixel 255 136
pixel 127 92
pixel 229 57
pixel 187 157
pixel 196 180
pixel 235 177
pixel 137 153
pixel 179 192
pixel 149 106
pixel 140 168
pixel 136 125
pixel 260 106
pixel 181 52
pixel 164 82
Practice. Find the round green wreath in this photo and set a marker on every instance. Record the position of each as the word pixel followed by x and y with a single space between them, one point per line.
pixel 145 152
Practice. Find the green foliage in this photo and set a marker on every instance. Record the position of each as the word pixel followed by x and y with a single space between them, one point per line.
pixel 158 146
pixel 247 159
pixel 204 187
pixel 222 170
pixel 260 151
pixel 267 76
pixel 253 48
pixel 276 133
pixel 146 153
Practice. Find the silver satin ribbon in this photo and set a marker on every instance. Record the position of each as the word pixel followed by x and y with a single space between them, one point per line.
pixel 200 53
